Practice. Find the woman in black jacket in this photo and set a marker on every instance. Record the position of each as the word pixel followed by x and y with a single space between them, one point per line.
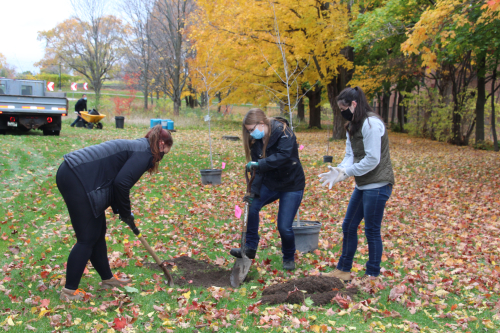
pixel 92 179
pixel 271 149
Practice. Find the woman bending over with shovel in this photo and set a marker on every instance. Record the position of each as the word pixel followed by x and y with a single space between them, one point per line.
pixel 271 149
pixel 367 158
pixel 92 179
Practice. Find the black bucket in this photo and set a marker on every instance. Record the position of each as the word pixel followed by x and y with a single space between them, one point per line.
pixel 327 159
pixel 119 121
pixel 211 176
pixel 306 236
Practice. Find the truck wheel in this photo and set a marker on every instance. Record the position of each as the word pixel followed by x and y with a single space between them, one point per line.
pixel 90 125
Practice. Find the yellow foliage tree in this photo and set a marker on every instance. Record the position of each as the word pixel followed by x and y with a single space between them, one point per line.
pixel 312 35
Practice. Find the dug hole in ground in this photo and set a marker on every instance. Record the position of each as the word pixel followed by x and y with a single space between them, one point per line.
pixel 321 290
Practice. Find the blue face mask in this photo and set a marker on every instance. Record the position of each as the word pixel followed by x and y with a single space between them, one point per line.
pixel 85 98
pixel 257 134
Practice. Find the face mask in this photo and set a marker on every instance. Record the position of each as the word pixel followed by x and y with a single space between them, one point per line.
pixel 257 134
pixel 347 114
pixel 85 98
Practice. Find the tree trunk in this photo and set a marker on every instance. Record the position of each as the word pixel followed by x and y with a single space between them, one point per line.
pixel 394 106
pixel 220 100
pixel 151 95
pixel 379 105
pixel 493 118
pixel 481 96
pixel 333 89
pixel 282 108
pixel 314 96
pixel 385 106
pixel 300 110
pixel 401 112
pixel 186 98
pixel 145 92
pixel 177 106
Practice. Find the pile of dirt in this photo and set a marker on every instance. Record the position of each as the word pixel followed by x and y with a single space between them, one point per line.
pixel 197 273
pixel 320 289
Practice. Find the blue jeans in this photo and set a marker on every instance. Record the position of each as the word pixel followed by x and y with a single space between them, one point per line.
pixel 370 205
pixel 289 203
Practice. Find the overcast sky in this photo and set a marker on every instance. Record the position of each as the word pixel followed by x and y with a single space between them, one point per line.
pixel 21 20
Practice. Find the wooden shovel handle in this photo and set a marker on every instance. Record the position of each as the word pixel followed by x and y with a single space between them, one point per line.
pixel 156 258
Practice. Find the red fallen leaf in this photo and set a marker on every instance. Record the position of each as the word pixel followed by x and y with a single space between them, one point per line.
pixel 44 274
pixel 266 261
pixel 45 302
pixel 139 264
pixel 253 295
pixel 453 307
pixel 261 281
pixel 119 323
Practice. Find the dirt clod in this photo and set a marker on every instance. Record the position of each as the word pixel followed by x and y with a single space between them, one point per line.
pixel 320 289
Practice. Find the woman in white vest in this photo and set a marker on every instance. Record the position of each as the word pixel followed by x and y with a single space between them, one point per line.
pixel 366 158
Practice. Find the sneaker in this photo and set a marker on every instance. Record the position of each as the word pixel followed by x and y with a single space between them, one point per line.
pixel 249 252
pixel 289 265
pixel 343 276
pixel 115 281
pixel 69 295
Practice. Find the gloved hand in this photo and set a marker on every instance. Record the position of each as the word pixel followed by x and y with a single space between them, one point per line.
pixel 129 220
pixel 329 177
pixel 248 199
pixel 252 165
pixel 342 175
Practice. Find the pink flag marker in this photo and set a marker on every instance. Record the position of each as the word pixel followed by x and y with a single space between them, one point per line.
pixel 223 165
pixel 237 211
pixel 301 147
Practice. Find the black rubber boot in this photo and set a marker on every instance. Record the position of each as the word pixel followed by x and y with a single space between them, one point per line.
pixel 249 252
pixel 289 265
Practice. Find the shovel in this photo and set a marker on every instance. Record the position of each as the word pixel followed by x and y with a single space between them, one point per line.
pixel 242 265
pixel 162 264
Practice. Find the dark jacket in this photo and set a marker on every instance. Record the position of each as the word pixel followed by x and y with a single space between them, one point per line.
pixel 281 169
pixel 109 170
pixel 81 105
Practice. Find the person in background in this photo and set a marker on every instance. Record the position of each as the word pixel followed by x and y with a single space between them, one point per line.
pixel 271 149
pixel 81 105
pixel 367 158
pixel 92 179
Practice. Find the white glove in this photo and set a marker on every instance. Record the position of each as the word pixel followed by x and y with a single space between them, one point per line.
pixel 342 175
pixel 332 177
pixel 329 177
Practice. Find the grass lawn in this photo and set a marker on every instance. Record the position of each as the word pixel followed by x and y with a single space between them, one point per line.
pixel 440 231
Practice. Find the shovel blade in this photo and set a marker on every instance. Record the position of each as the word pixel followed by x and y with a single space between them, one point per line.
pixel 240 271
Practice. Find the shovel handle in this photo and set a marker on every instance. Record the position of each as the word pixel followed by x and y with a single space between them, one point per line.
pixel 249 180
pixel 156 258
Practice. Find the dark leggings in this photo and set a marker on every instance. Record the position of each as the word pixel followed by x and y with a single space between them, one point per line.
pixel 90 231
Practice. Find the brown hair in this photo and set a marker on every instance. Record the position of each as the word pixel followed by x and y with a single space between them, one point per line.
pixel 253 117
pixel 154 136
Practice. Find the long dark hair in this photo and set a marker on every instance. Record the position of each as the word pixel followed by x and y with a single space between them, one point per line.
pixel 345 99
pixel 154 136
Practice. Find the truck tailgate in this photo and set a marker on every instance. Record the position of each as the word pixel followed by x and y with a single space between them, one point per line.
pixel 33 104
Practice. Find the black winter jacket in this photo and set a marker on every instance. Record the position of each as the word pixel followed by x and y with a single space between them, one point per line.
pixel 281 169
pixel 109 170
pixel 81 105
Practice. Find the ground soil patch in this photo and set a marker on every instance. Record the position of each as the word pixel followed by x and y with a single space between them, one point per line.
pixel 196 273
pixel 320 289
